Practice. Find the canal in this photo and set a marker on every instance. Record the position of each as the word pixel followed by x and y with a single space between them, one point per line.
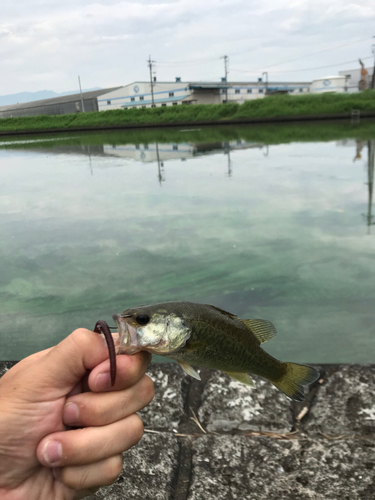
pixel 257 221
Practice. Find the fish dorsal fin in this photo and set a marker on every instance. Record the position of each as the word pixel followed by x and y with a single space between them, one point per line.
pixel 262 329
pixel 241 377
pixel 233 316
pixel 189 370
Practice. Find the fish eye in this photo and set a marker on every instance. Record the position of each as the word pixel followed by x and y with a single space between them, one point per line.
pixel 142 319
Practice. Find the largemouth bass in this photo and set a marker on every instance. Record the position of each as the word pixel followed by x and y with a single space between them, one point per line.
pixel 206 336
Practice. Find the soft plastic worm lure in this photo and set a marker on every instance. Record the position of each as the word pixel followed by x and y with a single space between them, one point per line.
pixel 102 327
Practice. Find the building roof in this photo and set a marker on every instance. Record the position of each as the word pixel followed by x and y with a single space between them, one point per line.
pixel 333 77
pixel 57 100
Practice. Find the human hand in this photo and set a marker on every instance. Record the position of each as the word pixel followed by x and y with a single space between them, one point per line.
pixel 42 398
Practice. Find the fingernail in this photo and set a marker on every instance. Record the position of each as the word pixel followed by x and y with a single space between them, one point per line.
pixel 71 414
pixel 52 452
pixel 103 381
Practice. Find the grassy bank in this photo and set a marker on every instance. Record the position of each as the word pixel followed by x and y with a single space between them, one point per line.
pixel 264 134
pixel 269 107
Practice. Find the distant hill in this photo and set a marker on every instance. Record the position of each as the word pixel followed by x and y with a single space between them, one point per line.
pixel 21 97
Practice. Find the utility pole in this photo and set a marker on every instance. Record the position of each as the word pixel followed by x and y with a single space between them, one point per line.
pixel 151 81
pixel 265 73
pixel 370 173
pixel 226 63
pixel 80 91
pixel 373 71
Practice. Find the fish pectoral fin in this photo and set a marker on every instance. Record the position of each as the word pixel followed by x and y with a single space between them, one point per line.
pixel 189 370
pixel 241 377
pixel 262 329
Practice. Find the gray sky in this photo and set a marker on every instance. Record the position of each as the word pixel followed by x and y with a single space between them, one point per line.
pixel 45 44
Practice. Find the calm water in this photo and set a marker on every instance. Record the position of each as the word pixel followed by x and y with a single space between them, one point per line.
pixel 91 225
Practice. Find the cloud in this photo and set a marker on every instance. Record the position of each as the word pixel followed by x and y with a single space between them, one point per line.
pixel 48 43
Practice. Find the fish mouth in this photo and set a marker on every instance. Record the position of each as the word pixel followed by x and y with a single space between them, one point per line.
pixel 128 335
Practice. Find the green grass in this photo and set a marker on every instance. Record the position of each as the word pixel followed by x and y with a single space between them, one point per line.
pixel 264 134
pixel 269 107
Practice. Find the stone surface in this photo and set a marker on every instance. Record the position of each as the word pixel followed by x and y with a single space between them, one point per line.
pixel 5 366
pixel 345 402
pixel 228 405
pixel 331 457
pixel 149 471
pixel 237 467
pixel 167 407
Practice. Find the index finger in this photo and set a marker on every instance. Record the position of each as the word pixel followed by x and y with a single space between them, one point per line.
pixel 64 365
pixel 130 369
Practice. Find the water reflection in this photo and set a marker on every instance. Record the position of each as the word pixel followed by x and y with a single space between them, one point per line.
pixel 92 225
pixel 370 183
pixel 159 153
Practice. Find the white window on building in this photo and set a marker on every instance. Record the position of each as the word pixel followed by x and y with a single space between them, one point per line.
pixel 249 91
pixel 237 91
pixel 132 98
pixel 260 91
pixel 301 90
pixel 175 147
pixel 141 98
pixel 175 104
pixel 153 105
pixel 143 107
pixel 108 102
pixel 171 94
pixel 164 104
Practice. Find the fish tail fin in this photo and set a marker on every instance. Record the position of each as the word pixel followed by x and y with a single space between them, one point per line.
pixel 294 378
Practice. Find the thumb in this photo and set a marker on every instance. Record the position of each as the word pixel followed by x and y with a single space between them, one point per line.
pixel 65 364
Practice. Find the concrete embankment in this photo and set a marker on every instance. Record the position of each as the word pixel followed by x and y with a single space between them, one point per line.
pixel 218 439
pixel 323 117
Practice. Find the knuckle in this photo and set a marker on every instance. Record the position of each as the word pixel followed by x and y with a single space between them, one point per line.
pixel 137 427
pixel 71 479
pixel 148 388
pixel 113 469
pixel 79 336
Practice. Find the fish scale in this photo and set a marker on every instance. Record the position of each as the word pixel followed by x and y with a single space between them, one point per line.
pixel 207 336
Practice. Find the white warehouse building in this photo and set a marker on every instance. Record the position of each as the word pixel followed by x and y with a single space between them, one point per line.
pixel 332 84
pixel 140 94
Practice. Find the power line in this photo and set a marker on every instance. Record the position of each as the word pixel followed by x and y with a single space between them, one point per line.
pixel 188 63
pixel 304 69
pixel 214 59
pixel 314 53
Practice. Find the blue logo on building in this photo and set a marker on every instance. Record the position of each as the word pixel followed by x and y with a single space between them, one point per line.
pixel 327 83
pixel 136 89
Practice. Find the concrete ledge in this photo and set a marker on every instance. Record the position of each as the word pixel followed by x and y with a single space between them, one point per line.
pixel 218 439
pixel 198 123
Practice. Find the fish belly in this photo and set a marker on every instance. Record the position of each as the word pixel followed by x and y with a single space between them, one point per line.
pixel 232 358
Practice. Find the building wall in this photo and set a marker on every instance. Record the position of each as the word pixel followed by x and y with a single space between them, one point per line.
pixel 50 109
pixel 207 96
pixel 247 92
pixel 354 78
pixel 332 84
pixel 138 94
